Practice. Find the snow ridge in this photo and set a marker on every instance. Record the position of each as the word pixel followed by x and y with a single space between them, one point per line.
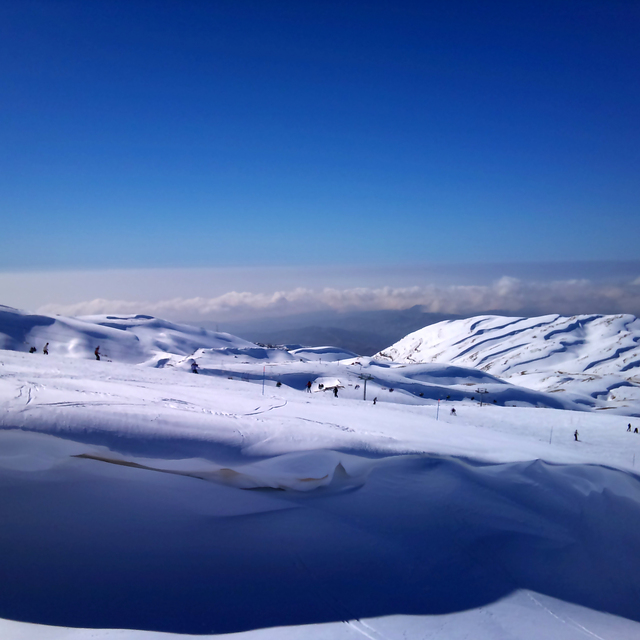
pixel 591 355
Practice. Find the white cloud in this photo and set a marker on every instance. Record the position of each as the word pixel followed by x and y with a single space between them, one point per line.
pixel 506 294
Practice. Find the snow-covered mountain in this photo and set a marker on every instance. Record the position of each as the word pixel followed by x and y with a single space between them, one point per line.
pixel 152 342
pixel 129 510
pixel 133 339
pixel 596 356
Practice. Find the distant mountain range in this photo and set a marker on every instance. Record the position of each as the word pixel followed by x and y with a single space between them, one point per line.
pixel 363 332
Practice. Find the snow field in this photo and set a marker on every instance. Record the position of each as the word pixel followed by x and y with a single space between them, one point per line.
pixel 138 500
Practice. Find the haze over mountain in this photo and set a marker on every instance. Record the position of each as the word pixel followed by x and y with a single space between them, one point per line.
pixel 364 332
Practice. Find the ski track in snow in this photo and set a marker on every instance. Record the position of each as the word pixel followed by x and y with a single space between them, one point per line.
pixel 327 424
pixel 259 410
pixel 563 621
pixel 366 630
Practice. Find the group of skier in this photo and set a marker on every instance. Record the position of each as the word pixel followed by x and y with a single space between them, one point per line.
pixel 45 349
pixel 629 428
pixel 308 388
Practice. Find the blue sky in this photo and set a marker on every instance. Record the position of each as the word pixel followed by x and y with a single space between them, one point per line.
pixel 163 134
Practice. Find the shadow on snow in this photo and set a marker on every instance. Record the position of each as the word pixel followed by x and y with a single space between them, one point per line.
pixel 135 549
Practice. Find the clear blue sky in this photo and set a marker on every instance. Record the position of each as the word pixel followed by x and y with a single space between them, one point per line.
pixel 229 133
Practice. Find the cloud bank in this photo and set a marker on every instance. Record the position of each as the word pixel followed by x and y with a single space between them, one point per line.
pixel 506 294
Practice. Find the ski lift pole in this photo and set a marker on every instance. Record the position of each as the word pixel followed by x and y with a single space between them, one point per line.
pixel 365 378
pixel 481 392
pixel 438 410
pixel 264 369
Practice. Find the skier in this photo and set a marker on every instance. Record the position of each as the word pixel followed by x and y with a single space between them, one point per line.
pixel 635 430
pixel 32 350
pixel 309 386
pixel 335 392
pixel 575 435
pixel 375 400
pixel 453 412
pixel 629 427
pixel 45 349
pixel 194 367
pixel 97 352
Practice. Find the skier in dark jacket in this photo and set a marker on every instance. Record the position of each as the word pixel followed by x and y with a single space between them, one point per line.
pixel 575 435
pixel 97 352
pixel 335 392
pixel 309 386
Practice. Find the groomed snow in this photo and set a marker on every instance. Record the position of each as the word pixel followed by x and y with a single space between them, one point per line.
pixel 139 500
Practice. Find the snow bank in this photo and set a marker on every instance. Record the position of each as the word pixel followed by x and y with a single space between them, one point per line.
pixel 90 544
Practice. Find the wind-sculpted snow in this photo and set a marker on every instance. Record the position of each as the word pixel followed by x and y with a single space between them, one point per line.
pixel 583 355
pixel 138 496
pixel 104 545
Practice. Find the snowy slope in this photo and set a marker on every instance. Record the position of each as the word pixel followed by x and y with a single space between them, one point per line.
pixel 139 501
pixel 592 355
pixel 149 341
pixel 124 504
pixel 132 339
